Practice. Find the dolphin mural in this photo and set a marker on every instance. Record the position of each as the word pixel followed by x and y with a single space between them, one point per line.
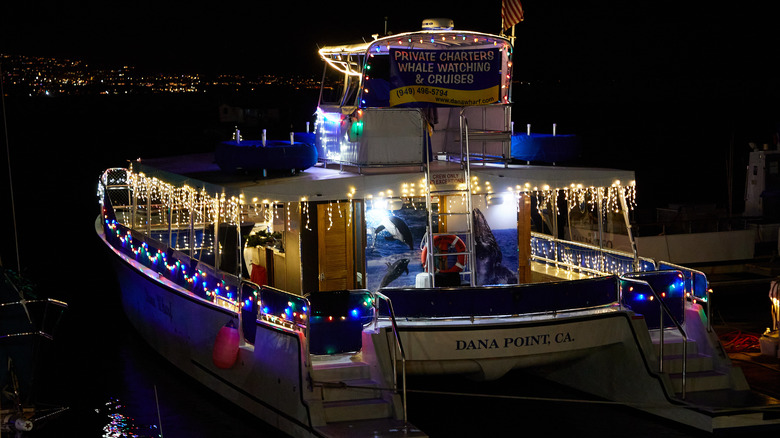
pixel 394 271
pixel 488 255
pixel 397 228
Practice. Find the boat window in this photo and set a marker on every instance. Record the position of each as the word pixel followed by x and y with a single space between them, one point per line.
pixel 332 87
pixel 350 96
pixel 338 88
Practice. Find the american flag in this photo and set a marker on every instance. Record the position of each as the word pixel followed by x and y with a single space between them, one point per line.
pixel 511 13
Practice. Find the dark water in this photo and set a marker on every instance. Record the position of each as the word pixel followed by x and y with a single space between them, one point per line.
pixel 113 384
pixel 111 380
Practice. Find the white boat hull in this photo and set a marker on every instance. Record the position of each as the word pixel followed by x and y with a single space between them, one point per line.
pixel 265 379
pixel 488 351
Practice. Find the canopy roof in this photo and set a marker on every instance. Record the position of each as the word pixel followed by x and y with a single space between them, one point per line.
pixel 342 57
pixel 324 184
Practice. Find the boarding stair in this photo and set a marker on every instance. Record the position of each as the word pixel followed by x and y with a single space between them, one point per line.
pixel 346 389
pixel 699 375
pixel 352 387
pixel 448 185
pixel 684 346
pixel 717 392
pixel 697 368
pixel 352 402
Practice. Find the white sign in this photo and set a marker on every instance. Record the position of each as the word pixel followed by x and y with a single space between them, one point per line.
pixel 442 180
pixel 510 341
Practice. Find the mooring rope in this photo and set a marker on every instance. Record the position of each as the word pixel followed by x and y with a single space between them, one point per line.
pixel 638 405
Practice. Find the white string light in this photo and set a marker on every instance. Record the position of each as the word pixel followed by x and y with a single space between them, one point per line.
pixel 185 200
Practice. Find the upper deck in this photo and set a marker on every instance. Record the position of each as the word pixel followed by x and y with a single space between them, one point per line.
pixel 388 101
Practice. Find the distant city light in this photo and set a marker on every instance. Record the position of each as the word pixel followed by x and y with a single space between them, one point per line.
pixel 52 76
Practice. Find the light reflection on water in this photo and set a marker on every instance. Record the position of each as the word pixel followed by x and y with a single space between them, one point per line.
pixel 120 425
pixel 118 387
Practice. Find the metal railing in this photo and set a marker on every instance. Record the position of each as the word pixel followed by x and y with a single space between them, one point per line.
pixel 397 347
pixel 572 256
pixel 568 255
pixel 697 281
pixel 665 311
pixel 38 324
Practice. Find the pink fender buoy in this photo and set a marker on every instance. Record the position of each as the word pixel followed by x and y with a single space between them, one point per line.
pixel 226 346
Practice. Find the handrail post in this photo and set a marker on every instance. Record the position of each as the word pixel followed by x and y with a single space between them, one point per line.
pixel 134 202
pixel 709 312
pixel 661 341
pixel 217 222
pixel 600 206
pixel 169 218
pixel 306 333
pixel 148 228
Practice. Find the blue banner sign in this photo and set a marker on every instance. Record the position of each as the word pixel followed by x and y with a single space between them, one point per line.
pixel 422 78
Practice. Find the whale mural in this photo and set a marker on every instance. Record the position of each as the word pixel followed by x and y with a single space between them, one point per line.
pixel 396 229
pixel 489 258
pixel 394 270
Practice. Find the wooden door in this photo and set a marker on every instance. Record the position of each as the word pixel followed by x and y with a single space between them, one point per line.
pixel 336 246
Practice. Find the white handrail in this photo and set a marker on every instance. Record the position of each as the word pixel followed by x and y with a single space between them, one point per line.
pixel 400 347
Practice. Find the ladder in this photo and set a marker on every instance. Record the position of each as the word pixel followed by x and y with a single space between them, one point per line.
pixel 490 135
pixel 445 183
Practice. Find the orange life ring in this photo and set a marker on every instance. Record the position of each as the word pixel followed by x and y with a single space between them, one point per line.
pixel 443 243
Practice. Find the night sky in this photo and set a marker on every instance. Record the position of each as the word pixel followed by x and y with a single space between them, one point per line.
pixel 658 87
pixel 558 38
pixel 200 36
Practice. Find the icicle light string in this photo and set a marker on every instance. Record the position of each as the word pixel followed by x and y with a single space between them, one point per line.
pixel 186 200
pixel 287 213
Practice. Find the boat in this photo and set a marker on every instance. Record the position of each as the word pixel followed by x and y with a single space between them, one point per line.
pixel 27 322
pixel 417 245
pixel 716 240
